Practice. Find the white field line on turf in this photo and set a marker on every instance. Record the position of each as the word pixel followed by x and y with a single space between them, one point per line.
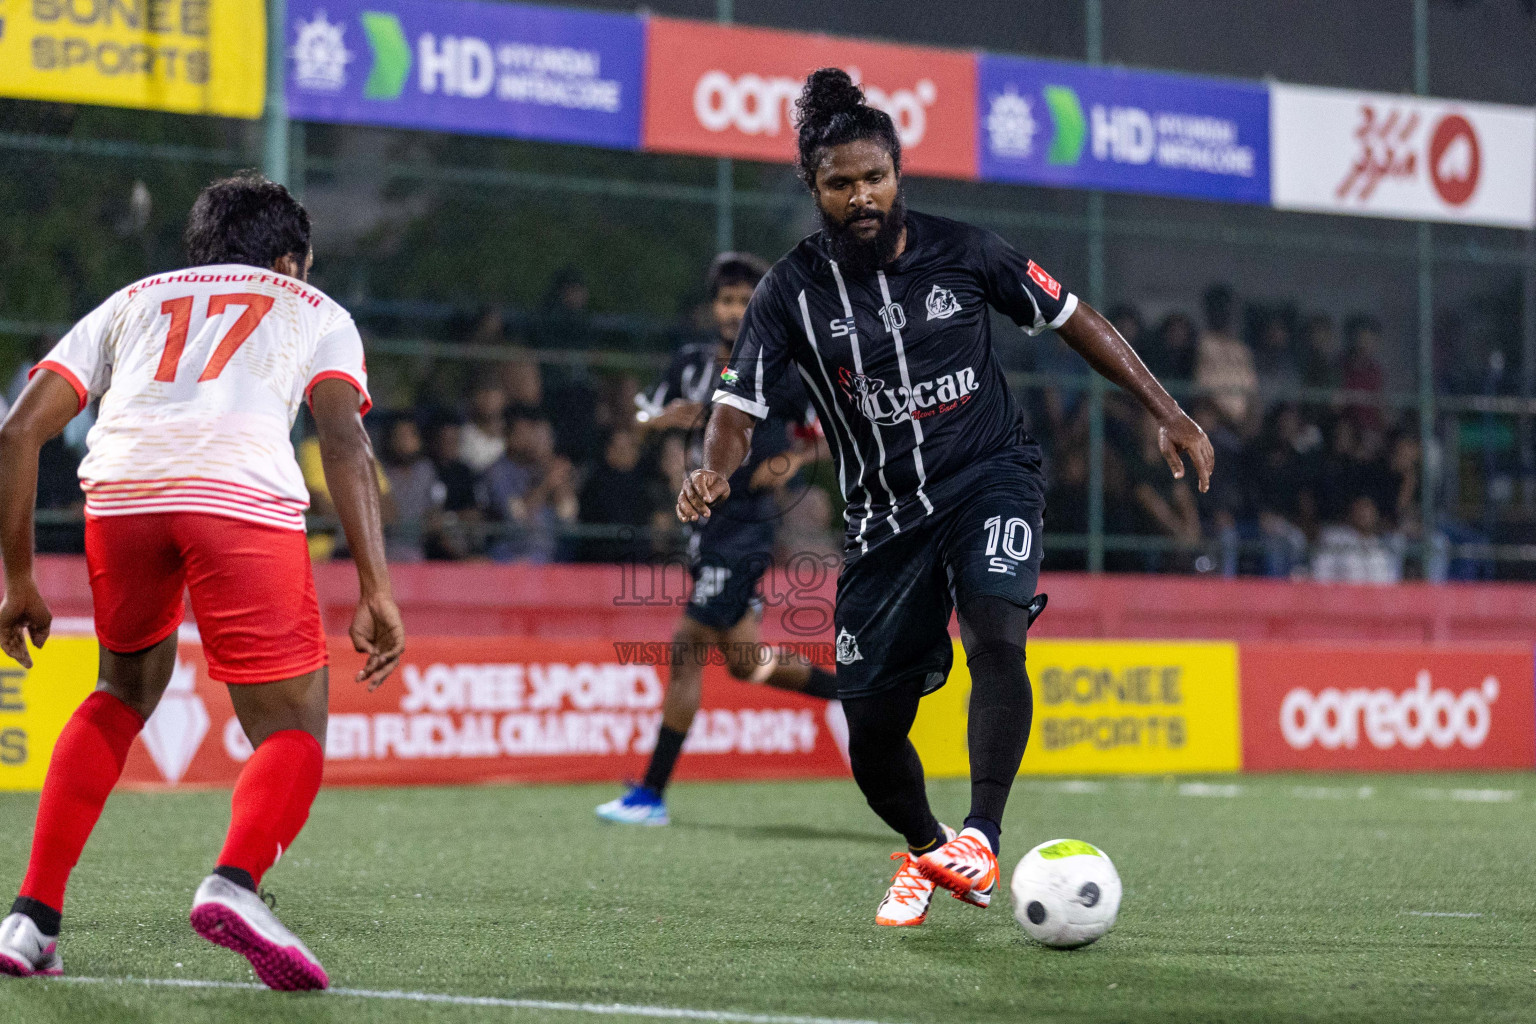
pixel 1068 786
pixel 1333 792
pixel 1209 789
pixel 443 998
pixel 1440 913
pixel 1471 796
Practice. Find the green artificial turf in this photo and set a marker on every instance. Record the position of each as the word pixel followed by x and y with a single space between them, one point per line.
pixel 1288 898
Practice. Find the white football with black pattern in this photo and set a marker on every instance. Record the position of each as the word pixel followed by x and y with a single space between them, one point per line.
pixel 1066 893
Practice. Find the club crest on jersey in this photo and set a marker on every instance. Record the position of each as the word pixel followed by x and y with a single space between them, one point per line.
pixel 889 406
pixel 1038 275
pixel 729 376
pixel 847 649
pixel 942 303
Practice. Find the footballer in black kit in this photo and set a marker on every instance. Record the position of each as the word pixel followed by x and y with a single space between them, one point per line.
pixel 728 553
pixel 884 316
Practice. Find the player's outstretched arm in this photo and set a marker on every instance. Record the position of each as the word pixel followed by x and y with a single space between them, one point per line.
pixel 1097 341
pixel 727 440
pixel 347 456
pixel 44 409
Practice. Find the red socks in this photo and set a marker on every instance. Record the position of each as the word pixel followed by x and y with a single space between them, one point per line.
pixel 85 766
pixel 272 799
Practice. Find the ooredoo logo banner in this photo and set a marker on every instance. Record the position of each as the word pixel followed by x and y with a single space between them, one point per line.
pixel 497 710
pixel 1382 155
pixel 721 90
pixel 1334 708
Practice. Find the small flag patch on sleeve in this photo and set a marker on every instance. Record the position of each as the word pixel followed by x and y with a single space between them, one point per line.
pixel 729 376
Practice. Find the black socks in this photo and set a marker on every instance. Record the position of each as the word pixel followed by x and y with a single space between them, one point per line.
pixel 989 828
pixel 669 744
pixel 45 917
pixel 239 876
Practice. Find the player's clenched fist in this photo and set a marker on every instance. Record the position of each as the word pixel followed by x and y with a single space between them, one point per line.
pixel 703 488
pixel 23 610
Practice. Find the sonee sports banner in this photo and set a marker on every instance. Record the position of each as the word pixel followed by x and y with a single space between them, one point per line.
pixel 1104 706
pixel 182 56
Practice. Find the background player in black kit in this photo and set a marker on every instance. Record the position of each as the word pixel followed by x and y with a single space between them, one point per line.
pixel 884 315
pixel 729 553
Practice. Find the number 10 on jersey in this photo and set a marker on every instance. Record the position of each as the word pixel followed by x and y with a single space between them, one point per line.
pixel 180 312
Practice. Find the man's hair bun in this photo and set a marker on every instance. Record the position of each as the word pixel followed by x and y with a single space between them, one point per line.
pixel 832 110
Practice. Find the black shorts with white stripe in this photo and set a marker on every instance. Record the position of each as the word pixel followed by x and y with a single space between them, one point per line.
pixel 894 601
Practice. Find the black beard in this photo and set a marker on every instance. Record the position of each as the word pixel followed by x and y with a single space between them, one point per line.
pixel 865 256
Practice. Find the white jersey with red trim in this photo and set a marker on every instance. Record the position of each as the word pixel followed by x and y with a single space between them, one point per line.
pixel 200 374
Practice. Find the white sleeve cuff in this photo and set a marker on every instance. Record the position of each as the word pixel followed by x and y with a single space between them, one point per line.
pixel 1067 309
pixel 757 410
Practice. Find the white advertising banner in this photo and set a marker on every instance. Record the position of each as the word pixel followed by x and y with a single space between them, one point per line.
pixel 1385 155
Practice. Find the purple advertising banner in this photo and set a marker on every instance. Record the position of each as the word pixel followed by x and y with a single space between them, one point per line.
pixel 466 67
pixel 1049 123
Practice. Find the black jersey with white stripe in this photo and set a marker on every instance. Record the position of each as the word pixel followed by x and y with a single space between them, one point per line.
pixel 743 526
pixel 899 363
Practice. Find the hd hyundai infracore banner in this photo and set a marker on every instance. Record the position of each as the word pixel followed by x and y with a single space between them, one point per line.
pixel 673 86
pixel 467 67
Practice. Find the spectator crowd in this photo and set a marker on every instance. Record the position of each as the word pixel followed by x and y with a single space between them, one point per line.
pixel 1317 476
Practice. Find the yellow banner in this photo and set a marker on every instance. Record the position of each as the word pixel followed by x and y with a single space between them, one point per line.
pixel 186 56
pixel 1104 706
pixel 34 705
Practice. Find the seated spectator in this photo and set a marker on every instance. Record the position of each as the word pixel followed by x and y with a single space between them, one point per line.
pixel 1360 550
pixel 58 491
pixel 1318 363
pixel 484 438
pixel 457 535
pixel 1223 364
pixel 1170 350
pixel 1362 370
pixel 1066 508
pixel 418 493
pixel 523 381
pixel 1279 468
pixel 1274 358
pixel 530 488
pixel 1404 461
pixel 621 494
pixel 1163 506
pixel 1127 320
pixel 327 541
pixel 669 540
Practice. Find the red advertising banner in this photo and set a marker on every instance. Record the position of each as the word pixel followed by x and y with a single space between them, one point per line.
pixel 1321 707
pixel 721 90
pixel 465 710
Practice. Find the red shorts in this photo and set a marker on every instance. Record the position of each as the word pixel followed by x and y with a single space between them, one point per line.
pixel 252 591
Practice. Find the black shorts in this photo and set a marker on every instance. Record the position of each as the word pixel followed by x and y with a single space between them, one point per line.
pixel 894 603
pixel 725 589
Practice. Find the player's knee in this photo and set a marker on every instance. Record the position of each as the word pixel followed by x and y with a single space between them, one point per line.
pixel 142 703
pixel 999 676
pixel 747 662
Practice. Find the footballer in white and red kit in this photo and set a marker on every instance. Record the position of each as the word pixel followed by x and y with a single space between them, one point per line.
pixel 192 485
